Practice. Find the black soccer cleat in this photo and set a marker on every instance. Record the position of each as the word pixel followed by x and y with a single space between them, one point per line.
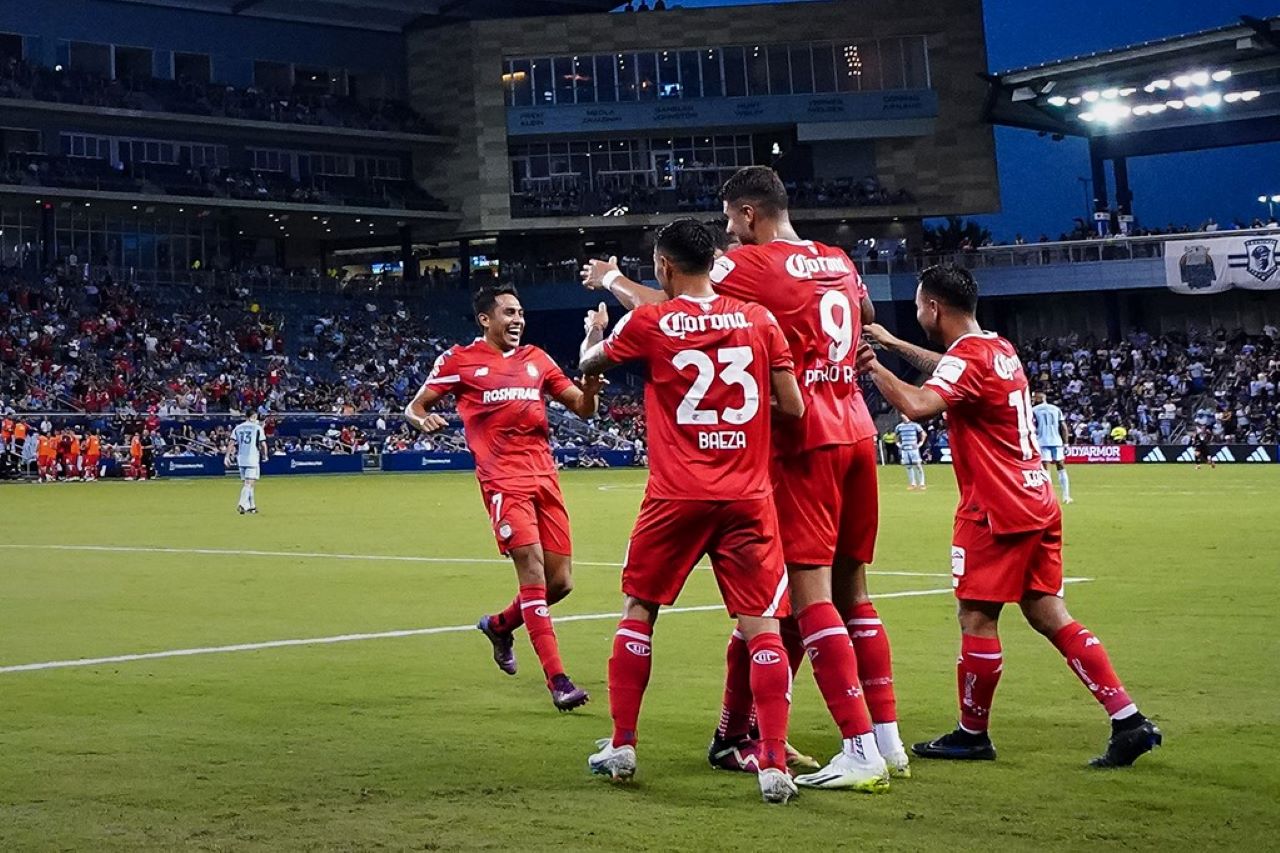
pixel 1128 745
pixel 958 745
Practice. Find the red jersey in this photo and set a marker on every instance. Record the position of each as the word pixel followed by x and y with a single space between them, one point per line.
pixel 706 402
pixel 993 435
pixel 500 400
pixel 815 293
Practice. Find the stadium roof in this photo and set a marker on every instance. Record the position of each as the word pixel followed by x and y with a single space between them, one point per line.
pixel 388 15
pixel 1207 89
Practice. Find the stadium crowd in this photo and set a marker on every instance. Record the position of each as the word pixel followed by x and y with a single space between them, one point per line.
pixel 127 362
pixel 28 81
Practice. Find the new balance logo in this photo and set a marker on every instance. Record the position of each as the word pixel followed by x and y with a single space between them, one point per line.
pixel 1155 455
pixel 1258 455
pixel 1224 455
pixel 1187 455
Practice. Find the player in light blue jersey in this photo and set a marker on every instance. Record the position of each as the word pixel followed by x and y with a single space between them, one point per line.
pixel 249 444
pixel 1051 434
pixel 911 438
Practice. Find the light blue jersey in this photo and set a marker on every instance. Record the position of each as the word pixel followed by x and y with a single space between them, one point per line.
pixel 1048 424
pixel 249 438
pixel 910 436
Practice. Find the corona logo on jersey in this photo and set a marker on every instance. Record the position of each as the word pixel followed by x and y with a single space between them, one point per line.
pixel 804 266
pixel 1006 365
pixel 506 395
pixel 680 324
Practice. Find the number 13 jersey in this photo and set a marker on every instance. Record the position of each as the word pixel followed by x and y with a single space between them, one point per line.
pixel 706 399
pixel 815 293
pixel 993 436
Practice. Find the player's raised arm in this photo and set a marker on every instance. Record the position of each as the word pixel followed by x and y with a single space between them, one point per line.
pixel 605 275
pixel 593 359
pixel 924 360
pixel 786 393
pixel 916 403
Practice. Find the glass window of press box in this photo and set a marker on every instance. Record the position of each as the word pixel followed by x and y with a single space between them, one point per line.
pixel 716 72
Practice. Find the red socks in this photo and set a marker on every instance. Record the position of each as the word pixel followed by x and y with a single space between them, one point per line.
pixel 537 616
pixel 789 628
pixel 977 674
pixel 835 667
pixel 735 713
pixel 1088 660
pixel 510 619
pixel 629 668
pixel 875 661
pixel 771 686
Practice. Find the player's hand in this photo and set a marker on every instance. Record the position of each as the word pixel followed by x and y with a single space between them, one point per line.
pixel 592 384
pixel 878 335
pixel 594 271
pixel 866 357
pixel 432 423
pixel 597 319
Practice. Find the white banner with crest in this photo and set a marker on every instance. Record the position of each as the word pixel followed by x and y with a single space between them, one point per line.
pixel 1215 264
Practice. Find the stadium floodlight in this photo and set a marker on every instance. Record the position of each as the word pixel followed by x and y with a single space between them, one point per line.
pixel 1111 113
pixel 1156 109
pixel 1140 110
pixel 1058 101
pixel 1213 99
pixel 1182 81
pixel 1074 101
pixel 1275 199
pixel 1087 116
pixel 1174 105
pixel 1194 101
pixel 1090 96
pixel 1231 97
pixel 1127 91
pixel 1219 76
pixel 1200 78
pixel 1111 94
pixel 1250 95
pixel 1161 84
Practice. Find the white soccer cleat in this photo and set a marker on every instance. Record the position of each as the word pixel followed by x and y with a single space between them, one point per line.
pixel 616 762
pixel 847 772
pixel 898 764
pixel 1068 500
pixel 776 786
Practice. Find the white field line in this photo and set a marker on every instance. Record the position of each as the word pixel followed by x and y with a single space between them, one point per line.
pixel 381 635
pixel 315 555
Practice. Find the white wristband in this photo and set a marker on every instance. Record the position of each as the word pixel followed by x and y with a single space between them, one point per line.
pixel 609 278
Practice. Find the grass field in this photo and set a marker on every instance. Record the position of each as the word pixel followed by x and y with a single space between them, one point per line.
pixel 418 742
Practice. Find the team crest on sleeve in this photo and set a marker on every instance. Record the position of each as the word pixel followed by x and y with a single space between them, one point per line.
pixel 533 371
pixel 950 369
pixel 721 268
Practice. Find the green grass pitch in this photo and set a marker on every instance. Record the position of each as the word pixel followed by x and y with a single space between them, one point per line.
pixel 418 742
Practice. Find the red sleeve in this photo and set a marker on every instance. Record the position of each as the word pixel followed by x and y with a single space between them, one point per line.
pixel 736 274
pixel 776 342
pixel 627 342
pixel 554 382
pixel 957 378
pixel 446 373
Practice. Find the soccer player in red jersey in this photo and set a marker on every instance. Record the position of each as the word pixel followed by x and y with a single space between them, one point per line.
pixel 1007 542
pixel 499 386
pixel 824 476
pixel 711 361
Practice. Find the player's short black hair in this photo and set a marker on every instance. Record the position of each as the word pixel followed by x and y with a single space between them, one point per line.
pixel 689 244
pixel 719 233
pixel 758 186
pixel 486 298
pixel 951 285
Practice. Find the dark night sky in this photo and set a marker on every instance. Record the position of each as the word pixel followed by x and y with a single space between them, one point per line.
pixel 1038 177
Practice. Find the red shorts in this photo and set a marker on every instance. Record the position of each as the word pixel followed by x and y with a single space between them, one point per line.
pixel 828 503
pixel 741 537
pixel 990 567
pixel 529 512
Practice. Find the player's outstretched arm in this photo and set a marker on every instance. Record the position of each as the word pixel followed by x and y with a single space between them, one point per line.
pixel 924 360
pixel 786 393
pixel 593 361
pixel 605 275
pixel 416 412
pixel 918 404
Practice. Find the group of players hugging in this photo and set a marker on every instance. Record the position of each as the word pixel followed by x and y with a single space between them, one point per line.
pixel 762 459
